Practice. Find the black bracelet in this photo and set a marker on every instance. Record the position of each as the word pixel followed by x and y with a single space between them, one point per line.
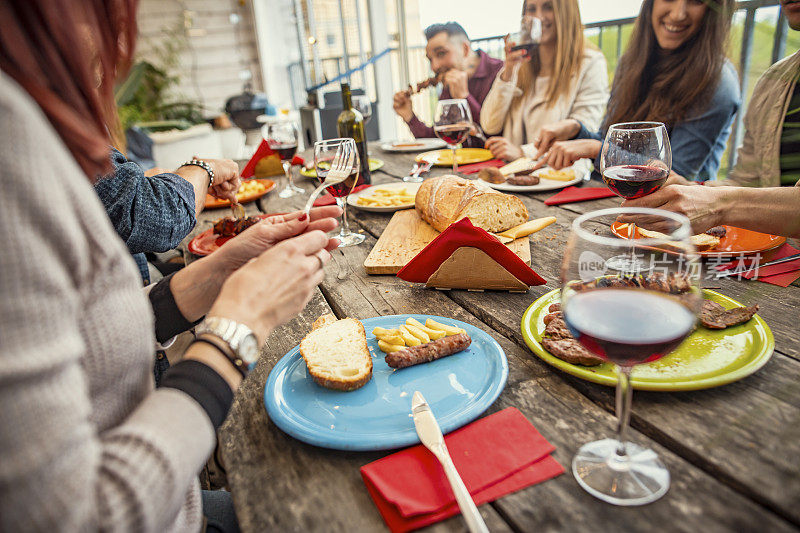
pixel 237 363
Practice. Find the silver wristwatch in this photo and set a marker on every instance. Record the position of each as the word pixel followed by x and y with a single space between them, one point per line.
pixel 241 339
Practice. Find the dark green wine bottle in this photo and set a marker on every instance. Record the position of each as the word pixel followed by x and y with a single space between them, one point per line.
pixel 351 124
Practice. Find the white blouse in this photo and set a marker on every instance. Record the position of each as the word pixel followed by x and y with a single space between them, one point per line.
pixel 585 102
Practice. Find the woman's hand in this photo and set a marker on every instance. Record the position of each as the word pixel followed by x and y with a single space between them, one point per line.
pixel 563 130
pixel 275 286
pixel 197 286
pixel 513 58
pixel 262 236
pixel 564 153
pixel 502 148
pixel 226 179
pixel 701 205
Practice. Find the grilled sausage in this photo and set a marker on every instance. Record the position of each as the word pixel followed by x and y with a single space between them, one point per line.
pixel 522 179
pixel 430 351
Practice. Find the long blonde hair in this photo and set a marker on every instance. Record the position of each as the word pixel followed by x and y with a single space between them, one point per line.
pixel 570 48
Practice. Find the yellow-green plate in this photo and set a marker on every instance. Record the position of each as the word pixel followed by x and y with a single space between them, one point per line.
pixel 464 156
pixel 374 164
pixel 707 358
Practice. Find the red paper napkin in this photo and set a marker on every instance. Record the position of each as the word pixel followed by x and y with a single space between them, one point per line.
pixel 298 161
pixel 262 151
pixel 578 194
pixel 783 274
pixel 475 167
pixel 463 233
pixel 328 199
pixel 496 455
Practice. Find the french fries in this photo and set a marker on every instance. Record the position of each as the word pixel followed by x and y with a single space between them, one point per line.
pixel 388 197
pixel 558 175
pixel 412 333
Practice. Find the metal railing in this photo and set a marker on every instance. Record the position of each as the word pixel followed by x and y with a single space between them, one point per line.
pixel 417 66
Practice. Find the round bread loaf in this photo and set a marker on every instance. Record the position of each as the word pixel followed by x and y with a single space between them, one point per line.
pixel 447 199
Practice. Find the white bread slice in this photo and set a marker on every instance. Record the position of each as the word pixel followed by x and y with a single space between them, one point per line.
pixel 324 320
pixel 337 355
pixel 702 241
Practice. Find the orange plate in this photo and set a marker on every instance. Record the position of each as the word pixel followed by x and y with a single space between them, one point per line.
pixel 208 241
pixel 212 203
pixel 737 241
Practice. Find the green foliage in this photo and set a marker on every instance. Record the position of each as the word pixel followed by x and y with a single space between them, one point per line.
pixel 146 94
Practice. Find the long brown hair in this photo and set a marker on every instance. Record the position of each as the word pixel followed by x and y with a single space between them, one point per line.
pixel 664 87
pixel 570 47
pixel 66 55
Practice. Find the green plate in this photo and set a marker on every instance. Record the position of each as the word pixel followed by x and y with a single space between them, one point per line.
pixel 707 358
pixel 374 164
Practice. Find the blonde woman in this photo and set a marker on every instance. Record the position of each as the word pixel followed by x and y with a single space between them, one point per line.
pixel 566 79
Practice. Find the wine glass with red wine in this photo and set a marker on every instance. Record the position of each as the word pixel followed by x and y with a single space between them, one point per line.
pixel 528 37
pixel 324 152
pixel 628 319
pixel 282 139
pixel 635 161
pixel 452 124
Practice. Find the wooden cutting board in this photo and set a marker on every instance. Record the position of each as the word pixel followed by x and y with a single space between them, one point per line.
pixel 406 235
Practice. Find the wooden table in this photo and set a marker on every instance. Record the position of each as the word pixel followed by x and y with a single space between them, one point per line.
pixel 732 451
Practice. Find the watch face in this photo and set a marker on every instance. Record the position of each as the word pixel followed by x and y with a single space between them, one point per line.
pixel 248 349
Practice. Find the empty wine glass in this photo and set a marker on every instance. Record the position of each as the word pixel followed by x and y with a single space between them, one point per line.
pixel 635 161
pixel 324 152
pixel 452 124
pixel 282 138
pixel 362 103
pixel 628 319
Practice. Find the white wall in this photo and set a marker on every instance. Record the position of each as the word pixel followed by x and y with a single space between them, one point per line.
pixel 218 50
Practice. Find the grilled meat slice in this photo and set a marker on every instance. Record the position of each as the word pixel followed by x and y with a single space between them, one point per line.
pixel 230 227
pixel 571 351
pixel 717 231
pixel 714 316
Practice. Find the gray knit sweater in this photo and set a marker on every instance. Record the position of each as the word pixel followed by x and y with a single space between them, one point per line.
pixel 86 442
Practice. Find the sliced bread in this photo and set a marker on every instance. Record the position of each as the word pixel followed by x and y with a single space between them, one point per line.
pixel 337 355
pixel 444 200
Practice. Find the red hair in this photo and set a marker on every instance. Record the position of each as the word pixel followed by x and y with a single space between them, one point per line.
pixel 66 55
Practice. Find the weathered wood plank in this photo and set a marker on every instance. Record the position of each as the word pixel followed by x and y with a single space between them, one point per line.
pixel 559 411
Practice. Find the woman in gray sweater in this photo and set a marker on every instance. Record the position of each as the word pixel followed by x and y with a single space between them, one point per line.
pixel 86 441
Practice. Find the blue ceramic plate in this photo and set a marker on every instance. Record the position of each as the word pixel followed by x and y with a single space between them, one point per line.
pixel 378 415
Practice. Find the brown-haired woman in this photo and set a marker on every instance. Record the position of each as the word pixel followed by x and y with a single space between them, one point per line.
pixel 565 79
pixel 673 71
pixel 86 442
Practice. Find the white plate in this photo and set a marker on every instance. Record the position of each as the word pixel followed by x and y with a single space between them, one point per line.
pixel 417 145
pixel 544 184
pixel 352 199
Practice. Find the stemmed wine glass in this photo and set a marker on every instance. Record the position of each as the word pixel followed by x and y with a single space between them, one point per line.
pixel 324 152
pixel 528 37
pixel 452 124
pixel 282 139
pixel 628 319
pixel 635 161
pixel 362 103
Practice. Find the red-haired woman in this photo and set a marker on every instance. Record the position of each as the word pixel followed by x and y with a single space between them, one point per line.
pixel 86 441
pixel 673 71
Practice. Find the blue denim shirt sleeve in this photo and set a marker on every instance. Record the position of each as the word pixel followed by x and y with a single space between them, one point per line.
pixel 150 214
pixel 699 142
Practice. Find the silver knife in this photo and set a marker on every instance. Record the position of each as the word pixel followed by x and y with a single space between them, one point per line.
pixel 431 437
pixel 734 272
